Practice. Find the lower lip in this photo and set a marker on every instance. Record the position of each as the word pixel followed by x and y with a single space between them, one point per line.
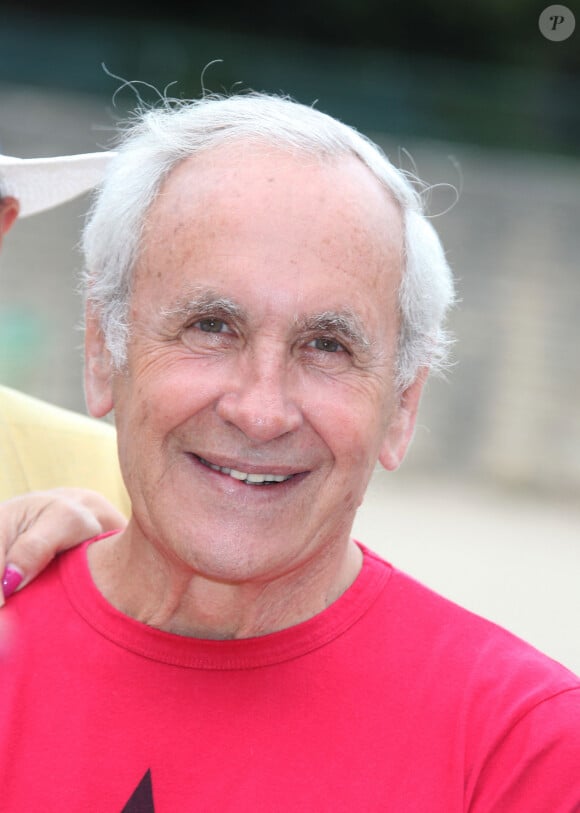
pixel 246 488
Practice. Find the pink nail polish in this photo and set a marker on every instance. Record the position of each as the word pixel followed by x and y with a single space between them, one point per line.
pixel 10 581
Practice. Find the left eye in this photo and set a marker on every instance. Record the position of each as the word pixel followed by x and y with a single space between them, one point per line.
pixel 211 325
pixel 327 345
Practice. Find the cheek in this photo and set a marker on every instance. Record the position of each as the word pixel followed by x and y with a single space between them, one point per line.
pixel 354 449
pixel 352 434
pixel 170 390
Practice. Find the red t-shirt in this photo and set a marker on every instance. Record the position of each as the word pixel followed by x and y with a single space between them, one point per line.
pixel 392 699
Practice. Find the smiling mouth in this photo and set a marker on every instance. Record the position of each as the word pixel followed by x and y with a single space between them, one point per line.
pixel 245 477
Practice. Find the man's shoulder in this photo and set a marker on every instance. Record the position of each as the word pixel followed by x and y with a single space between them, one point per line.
pixel 436 633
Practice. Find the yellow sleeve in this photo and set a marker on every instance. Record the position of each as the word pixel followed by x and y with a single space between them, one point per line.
pixel 44 446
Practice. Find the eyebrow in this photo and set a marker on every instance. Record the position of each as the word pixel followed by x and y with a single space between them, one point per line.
pixel 344 323
pixel 206 303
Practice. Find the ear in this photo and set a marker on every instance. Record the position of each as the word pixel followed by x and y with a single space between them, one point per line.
pixel 402 425
pixel 9 208
pixel 98 368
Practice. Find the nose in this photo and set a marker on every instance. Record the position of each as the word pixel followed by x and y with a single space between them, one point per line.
pixel 258 401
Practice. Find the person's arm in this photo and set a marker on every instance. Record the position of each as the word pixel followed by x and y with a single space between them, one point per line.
pixel 36 526
pixel 536 765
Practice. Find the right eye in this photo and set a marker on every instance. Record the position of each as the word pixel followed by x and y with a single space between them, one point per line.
pixel 327 345
pixel 211 325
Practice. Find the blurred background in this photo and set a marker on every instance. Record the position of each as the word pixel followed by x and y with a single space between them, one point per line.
pixel 486 110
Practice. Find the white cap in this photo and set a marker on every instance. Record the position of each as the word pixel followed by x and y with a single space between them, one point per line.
pixel 42 183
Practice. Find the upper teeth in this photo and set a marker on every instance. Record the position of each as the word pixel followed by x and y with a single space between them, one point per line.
pixel 249 478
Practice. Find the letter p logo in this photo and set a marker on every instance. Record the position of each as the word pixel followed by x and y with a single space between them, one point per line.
pixel 556 23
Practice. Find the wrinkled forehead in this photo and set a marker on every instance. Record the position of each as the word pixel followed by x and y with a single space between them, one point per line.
pixel 276 233
pixel 232 179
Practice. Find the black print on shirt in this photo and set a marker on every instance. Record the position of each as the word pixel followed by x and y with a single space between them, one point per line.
pixel 141 800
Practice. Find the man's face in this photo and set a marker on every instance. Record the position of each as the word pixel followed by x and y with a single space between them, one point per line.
pixel 258 392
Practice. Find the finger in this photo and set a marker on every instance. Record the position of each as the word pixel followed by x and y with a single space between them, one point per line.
pixel 14 515
pixel 109 517
pixel 11 581
pixel 36 526
pixel 60 526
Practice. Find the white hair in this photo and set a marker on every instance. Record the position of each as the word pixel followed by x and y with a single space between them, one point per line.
pixel 159 138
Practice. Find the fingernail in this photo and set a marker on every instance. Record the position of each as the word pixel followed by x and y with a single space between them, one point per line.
pixel 10 581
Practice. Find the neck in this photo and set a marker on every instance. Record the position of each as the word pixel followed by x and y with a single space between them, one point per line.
pixel 162 593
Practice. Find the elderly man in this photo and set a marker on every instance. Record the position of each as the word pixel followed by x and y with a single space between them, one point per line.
pixel 43 446
pixel 264 299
